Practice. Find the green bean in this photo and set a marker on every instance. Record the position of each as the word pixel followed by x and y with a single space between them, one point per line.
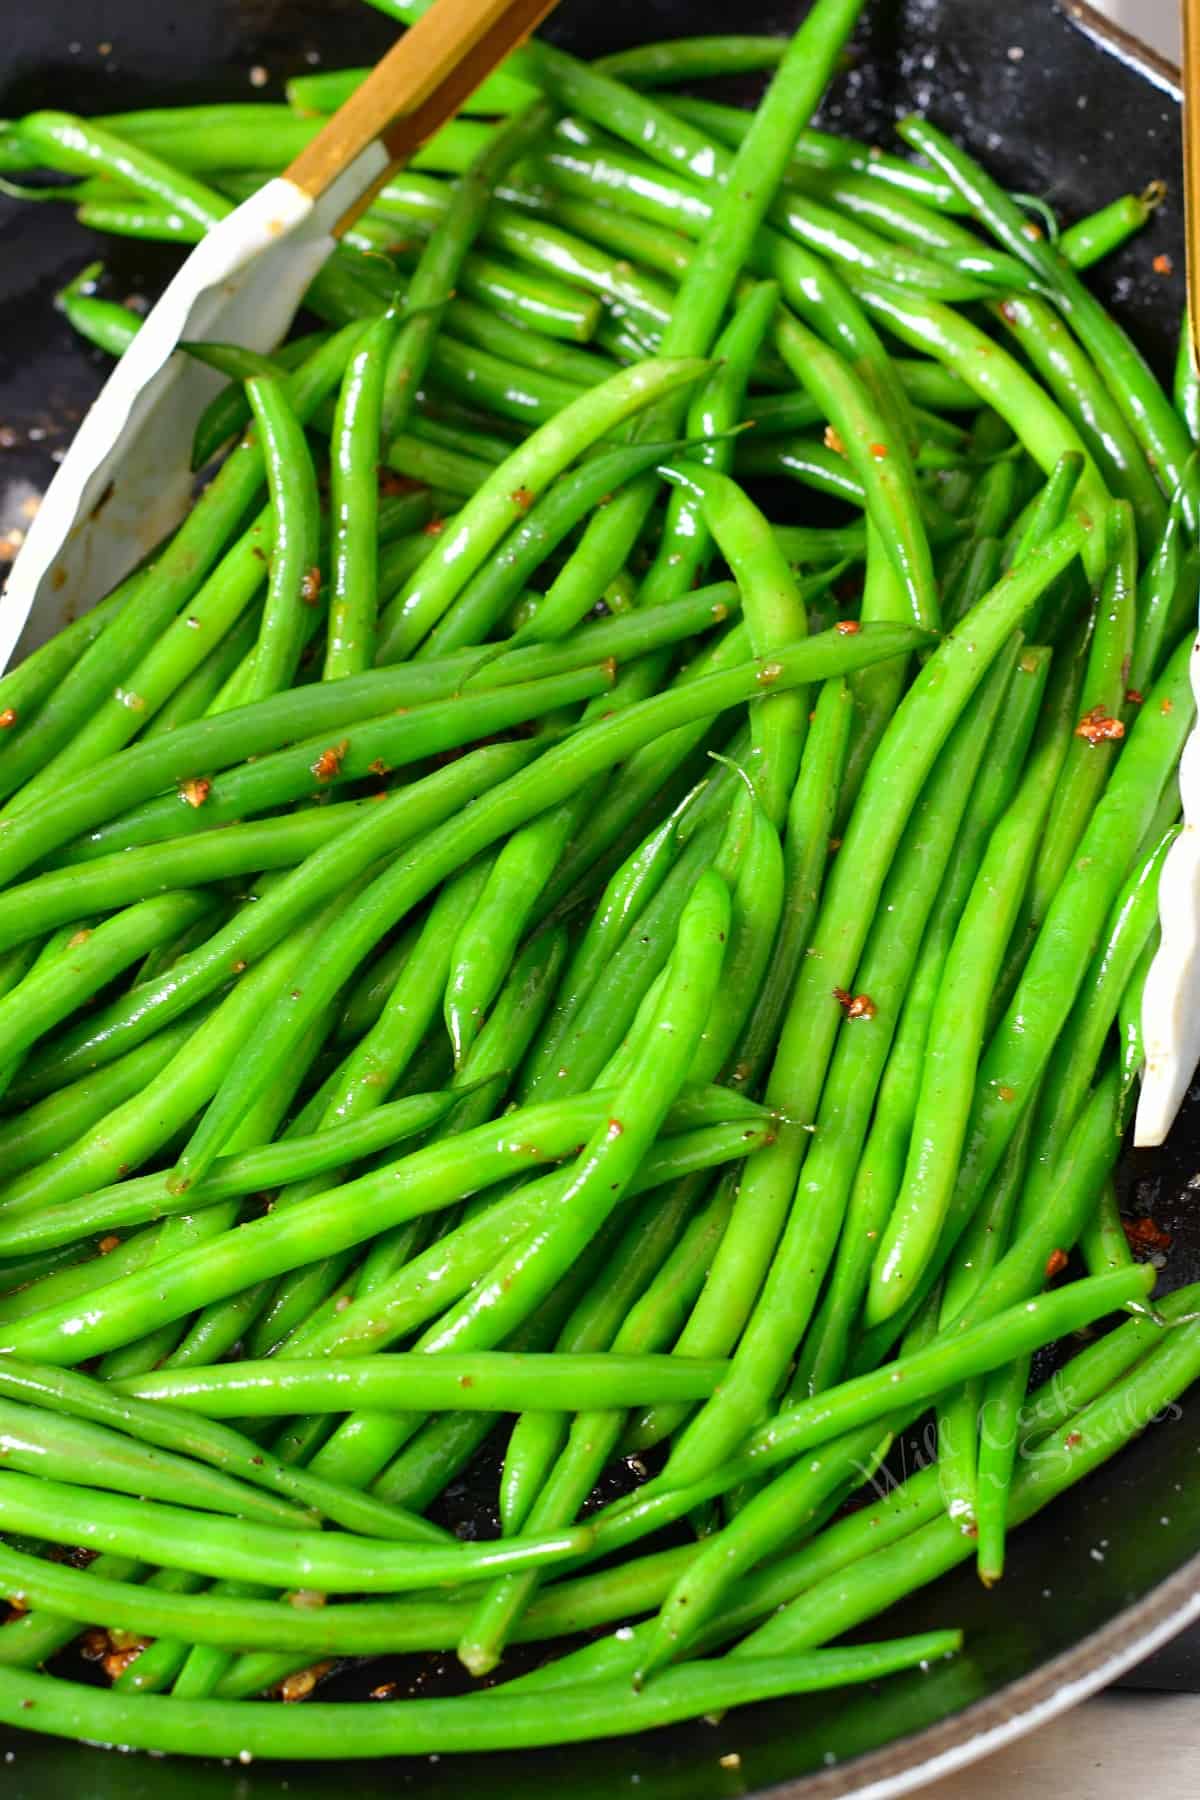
pixel 964 1419
pixel 161 592
pixel 1071 377
pixel 541 289
pixel 362 1083
pixel 775 617
pixel 957 1026
pixel 105 323
pixel 564 276
pixel 1096 1433
pixel 1132 1051
pixel 758 901
pixel 1118 363
pixel 820 151
pixel 134 1202
pixel 875 693
pixel 40 1130
pixel 654 1076
pixel 806 847
pixel 631 888
pixel 1061 952
pixel 503 496
pixel 85 1455
pixel 87 147
pixel 965 1349
pixel 25 687
pixel 480 325
pixel 205 139
pixel 410 1296
pixel 376 832
pixel 1157 590
pixel 431 1460
pixel 228 412
pixel 526 1271
pixel 307 770
pixel 293 489
pixel 811 287
pixel 484 1721
pixel 1130 925
pixel 857 1065
pixel 732 223
pixel 905 220
pixel 1104 1244
pixel 926 383
pixel 93 959
pixel 1000 382
pixel 685 546
pixel 490 592
pixel 861 1532
pixel 694 59
pixel 593 1325
pixel 656 778
pixel 878 460
pixel 781 1511
pixel 1090 1156
pixel 320 1226
pixel 150 1117
pixel 353 504
pixel 223 740
pixel 182 1232
pixel 1090 239
pixel 198 693
pixel 491 1381
pixel 449 470
pixel 209 1444
pixel 111 881
pixel 556 775
pixel 911 743
pixel 209 1545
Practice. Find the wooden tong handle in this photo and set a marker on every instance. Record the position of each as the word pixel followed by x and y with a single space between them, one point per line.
pixel 420 83
pixel 1191 168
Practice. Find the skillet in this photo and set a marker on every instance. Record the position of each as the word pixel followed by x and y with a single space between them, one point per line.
pixel 1058 105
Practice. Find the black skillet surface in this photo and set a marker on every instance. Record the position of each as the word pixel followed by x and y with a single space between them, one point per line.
pixel 1112 1571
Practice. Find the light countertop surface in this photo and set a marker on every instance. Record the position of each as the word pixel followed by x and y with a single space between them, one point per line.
pixel 1116 1745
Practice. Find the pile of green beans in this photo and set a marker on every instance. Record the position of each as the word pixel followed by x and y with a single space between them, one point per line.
pixel 490 887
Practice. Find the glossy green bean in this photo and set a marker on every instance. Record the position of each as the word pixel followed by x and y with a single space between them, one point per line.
pixel 490 1381
pixel 1057 964
pixel 1118 363
pixel 501 500
pixel 485 599
pixel 377 832
pixel 43 1443
pixel 106 882
pixel 145 1198
pixel 319 1226
pixel 354 506
pixel 912 741
pixel 1071 378
pixel 209 1545
pixel 1097 235
pixel 83 721
pixel 957 1026
pixel 823 152
pixel 292 484
pixel 477 1722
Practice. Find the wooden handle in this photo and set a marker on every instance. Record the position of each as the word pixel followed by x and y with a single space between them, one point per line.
pixel 420 83
pixel 1191 168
